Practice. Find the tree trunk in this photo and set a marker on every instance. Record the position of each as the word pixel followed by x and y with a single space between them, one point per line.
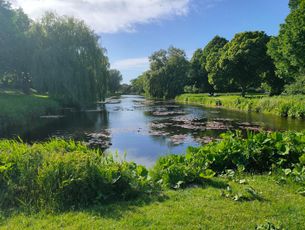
pixel 243 91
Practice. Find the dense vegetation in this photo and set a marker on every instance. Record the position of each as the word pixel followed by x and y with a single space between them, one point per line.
pixel 40 176
pixel 58 56
pixel 285 106
pixel 60 175
pixel 251 61
pixel 257 153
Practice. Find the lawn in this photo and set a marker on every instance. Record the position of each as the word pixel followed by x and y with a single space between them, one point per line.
pixel 192 208
pixel 19 109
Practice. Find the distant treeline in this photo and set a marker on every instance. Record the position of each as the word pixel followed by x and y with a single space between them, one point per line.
pixel 250 61
pixel 58 56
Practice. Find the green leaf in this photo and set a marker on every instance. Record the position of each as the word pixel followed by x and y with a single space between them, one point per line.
pixel 207 174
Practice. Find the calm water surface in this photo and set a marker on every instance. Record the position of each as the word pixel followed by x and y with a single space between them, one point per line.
pixel 146 129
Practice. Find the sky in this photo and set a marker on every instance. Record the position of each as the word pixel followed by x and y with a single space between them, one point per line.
pixel 131 30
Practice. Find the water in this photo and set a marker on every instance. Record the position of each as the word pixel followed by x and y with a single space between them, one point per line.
pixel 145 130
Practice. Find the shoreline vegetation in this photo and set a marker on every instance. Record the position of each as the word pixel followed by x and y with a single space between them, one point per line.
pixel 284 106
pixel 220 178
pixel 18 109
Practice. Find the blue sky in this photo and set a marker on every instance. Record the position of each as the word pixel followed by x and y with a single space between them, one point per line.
pixel 131 30
pixel 192 31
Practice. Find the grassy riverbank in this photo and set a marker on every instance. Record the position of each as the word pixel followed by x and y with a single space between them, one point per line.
pixel 192 208
pixel 19 109
pixel 285 106
pixel 238 182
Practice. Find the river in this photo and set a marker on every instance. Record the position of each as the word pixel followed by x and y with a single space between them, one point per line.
pixel 143 129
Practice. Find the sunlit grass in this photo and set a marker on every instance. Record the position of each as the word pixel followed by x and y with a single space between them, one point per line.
pixel 194 208
pixel 18 109
pixel 286 106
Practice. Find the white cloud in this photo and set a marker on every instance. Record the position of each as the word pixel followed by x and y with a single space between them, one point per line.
pixel 131 63
pixel 108 16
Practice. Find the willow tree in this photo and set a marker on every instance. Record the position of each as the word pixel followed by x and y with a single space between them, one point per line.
pixel 68 62
pixel 14 47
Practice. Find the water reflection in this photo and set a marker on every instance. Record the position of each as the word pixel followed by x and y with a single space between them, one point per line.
pixel 147 129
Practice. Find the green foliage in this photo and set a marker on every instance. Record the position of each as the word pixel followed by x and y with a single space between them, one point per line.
pixel 257 153
pixel 211 56
pixel 58 56
pixel 114 81
pixel 68 62
pixel 287 50
pixel 285 106
pixel 245 61
pixel 197 75
pixel 167 75
pixel 294 4
pixel 15 49
pixel 62 175
pixel 138 84
pixel 297 87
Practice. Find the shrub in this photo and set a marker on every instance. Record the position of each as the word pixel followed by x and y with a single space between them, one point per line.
pixel 256 153
pixel 63 175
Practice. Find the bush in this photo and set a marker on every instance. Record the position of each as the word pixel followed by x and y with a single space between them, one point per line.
pixel 62 175
pixel 257 153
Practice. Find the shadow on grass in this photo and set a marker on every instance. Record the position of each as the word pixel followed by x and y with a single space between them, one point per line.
pixel 116 210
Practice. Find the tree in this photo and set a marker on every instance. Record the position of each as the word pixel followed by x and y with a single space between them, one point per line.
pixel 245 59
pixel 294 4
pixel 287 50
pixel 114 81
pixel 14 46
pixel 68 62
pixel 138 84
pixel 298 87
pixel 211 55
pixel 167 75
pixel 197 77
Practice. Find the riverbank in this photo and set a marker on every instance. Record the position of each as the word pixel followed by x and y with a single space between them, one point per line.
pixel 237 182
pixel 285 106
pixel 192 208
pixel 18 109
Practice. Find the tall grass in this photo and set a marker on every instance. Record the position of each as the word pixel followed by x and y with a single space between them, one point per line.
pixel 21 109
pixel 60 175
pixel 285 106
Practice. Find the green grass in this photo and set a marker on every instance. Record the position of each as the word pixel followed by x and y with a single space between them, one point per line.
pixel 193 208
pixel 18 109
pixel 285 106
